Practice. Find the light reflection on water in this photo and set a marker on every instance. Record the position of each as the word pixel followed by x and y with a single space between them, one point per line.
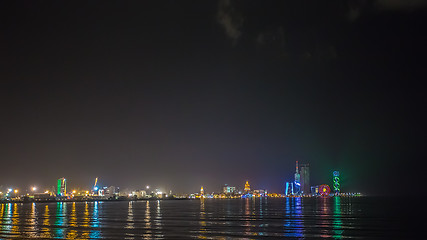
pixel 60 219
pixel 293 218
pixel 205 219
pixel 72 233
pixel 15 219
pixel 202 230
pixel 158 221
pixel 46 223
pixel 337 222
pixel 95 232
pixel 147 220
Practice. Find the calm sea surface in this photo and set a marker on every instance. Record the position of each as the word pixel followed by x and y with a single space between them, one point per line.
pixel 363 217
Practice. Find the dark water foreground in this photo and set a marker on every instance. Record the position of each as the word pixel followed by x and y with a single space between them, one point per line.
pixel 361 217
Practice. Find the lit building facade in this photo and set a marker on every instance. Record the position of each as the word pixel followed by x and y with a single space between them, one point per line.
pixel 247 187
pixel 305 178
pixel 61 190
pixel 337 185
pixel 297 182
pixel 112 192
pixel 289 190
pixel 228 189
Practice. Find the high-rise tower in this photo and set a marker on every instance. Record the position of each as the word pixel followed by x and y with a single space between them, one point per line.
pixel 62 187
pixel 305 178
pixel 297 180
pixel 247 187
pixel 336 179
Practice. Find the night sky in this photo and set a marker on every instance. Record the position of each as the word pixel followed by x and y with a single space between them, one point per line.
pixel 176 94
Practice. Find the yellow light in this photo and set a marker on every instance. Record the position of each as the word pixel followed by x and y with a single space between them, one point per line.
pixel 34 188
pixel 74 191
pixel 87 191
pixel 47 191
pixel 16 190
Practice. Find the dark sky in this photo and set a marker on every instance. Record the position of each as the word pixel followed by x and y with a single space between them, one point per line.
pixel 181 94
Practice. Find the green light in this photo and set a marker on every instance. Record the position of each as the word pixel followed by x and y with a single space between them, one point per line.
pixel 58 192
pixel 336 184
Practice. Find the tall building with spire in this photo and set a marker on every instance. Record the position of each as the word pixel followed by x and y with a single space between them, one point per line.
pixel 247 187
pixel 202 192
pixel 297 181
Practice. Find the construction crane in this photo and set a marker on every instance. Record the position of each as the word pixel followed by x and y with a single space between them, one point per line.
pixel 95 188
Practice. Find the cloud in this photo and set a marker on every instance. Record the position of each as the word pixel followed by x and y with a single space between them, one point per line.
pixel 230 19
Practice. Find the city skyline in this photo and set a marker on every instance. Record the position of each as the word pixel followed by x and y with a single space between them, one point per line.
pixel 61 188
pixel 189 94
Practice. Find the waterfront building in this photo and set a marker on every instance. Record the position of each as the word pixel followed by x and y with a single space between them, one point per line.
pixel 289 190
pixel 228 189
pixel 305 178
pixel 61 187
pixel 112 192
pixel 139 194
pixel 247 187
pixel 336 179
pixel 315 190
pixel 260 193
pixel 297 182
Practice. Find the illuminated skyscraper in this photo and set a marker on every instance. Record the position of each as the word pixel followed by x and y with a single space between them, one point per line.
pixel 61 187
pixel 202 192
pixel 247 187
pixel 289 189
pixel 305 178
pixel 336 179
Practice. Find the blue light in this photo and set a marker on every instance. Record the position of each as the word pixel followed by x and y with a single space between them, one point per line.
pixel 95 188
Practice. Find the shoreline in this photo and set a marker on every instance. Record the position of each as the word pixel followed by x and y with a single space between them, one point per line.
pixel 147 199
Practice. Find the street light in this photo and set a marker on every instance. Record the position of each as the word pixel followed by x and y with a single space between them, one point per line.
pixel 34 189
pixel 16 190
pixel 148 187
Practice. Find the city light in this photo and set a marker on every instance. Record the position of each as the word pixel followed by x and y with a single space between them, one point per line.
pixel 99 192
